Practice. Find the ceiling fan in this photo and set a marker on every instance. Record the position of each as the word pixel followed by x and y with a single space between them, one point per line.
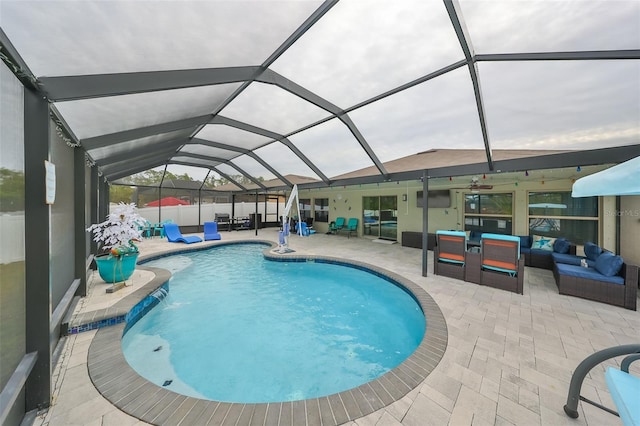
pixel 474 185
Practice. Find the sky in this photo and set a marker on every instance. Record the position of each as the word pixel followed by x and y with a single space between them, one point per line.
pixel 358 50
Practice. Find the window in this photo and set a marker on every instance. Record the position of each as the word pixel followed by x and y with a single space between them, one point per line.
pixel 557 214
pixel 489 213
pixel 305 208
pixel 321 209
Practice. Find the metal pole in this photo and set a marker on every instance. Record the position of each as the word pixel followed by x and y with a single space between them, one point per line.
pixel 255 215
pixel 425 221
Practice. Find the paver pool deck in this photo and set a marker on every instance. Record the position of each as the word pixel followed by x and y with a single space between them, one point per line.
pixel 508 360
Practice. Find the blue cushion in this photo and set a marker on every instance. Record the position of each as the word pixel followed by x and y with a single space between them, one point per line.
pixel 525 241
pixel 475 235
pixel 609 264
pixel 592 251
pixel 569 259
pixel 561 246
pixel 588 273
pixel 624 389
pixel 540 252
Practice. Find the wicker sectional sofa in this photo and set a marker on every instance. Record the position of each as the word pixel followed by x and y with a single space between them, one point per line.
pixel 605 278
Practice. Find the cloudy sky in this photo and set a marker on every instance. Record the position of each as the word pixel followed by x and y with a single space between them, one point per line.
pixel 358 50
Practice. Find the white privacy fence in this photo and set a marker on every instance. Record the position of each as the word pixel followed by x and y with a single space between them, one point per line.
pixel 12 224
pixel 188 215
pixel 11 237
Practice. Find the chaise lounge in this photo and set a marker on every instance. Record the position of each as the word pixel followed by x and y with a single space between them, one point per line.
pixel 175 236
pixel 211 231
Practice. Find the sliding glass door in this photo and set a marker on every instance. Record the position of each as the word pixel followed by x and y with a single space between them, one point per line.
pixel 380 217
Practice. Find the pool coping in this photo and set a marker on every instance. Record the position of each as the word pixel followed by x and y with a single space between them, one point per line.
pixel 124 388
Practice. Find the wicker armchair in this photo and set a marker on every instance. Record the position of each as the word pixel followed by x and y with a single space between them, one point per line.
pixel 449 254
pixel 501 264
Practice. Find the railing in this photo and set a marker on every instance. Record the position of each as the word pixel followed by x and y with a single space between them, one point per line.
pixel 14 386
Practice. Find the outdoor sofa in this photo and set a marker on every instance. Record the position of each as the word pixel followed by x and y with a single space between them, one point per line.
pixel 604 277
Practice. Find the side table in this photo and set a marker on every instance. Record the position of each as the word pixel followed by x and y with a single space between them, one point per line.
pixel 472 270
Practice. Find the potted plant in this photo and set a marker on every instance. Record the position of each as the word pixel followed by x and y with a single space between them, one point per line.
pixel 115 237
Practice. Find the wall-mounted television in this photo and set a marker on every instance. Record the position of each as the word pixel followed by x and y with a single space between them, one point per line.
pixel 438 199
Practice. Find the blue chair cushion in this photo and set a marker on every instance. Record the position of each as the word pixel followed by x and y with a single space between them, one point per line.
pixel 609 264
pixel 591 250
pixel 453 233
pixel 475 235
pixel 561 246
pixel 624 389
pixel 525 241
pixel 588 273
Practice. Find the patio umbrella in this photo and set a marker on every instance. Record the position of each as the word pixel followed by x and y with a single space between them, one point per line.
pixel 168 201
pixel 617 180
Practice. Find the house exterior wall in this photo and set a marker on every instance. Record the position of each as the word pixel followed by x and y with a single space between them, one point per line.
pixel 629 215
pixel 347 202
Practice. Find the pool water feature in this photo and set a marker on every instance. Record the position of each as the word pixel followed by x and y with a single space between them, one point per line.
pixel 236 327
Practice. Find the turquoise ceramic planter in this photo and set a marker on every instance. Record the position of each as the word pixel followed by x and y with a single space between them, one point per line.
pixel 116 269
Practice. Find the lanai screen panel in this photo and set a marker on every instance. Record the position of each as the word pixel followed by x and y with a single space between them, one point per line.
pixel 252 167
pixel 272 108
pixel 201 162
pixel 362 48
pixel 196 174
pixel 435 114
pixel 233 136
pixel 332 148
pixel 501 26
pixel 208 151
pixel 562 104
pixel 232 172
pixel 141 147
pixel 285 161
pixel 96 37
pixel 99 116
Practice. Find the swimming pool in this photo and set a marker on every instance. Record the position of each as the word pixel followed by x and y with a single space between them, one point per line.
pixel 308 329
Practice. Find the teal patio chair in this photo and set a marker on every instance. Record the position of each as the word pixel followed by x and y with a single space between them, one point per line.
pixel 352 226
pixel 336 226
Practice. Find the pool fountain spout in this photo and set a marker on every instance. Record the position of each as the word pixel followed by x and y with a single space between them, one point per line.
pixel 160 294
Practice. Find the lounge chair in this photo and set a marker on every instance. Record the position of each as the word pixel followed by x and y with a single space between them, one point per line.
pixel 622 385
pixel 336 226
pixel 211 231
pixel 175 236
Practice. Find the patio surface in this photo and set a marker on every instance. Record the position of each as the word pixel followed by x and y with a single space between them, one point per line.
pixel 509 358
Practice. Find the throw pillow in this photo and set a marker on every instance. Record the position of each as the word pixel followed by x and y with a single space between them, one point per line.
pixel 609 264
pixel 592 251
pixel 561 246
pixel 542 243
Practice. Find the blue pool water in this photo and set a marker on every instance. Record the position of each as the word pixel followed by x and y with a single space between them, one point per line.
pixel 236 327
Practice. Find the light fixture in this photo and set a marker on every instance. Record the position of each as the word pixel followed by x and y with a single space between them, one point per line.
pixel 404 197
